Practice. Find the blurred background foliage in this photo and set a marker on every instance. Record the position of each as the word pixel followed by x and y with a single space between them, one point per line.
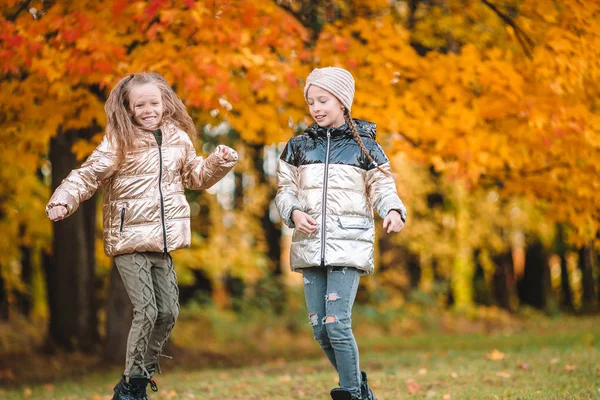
pixel 488 111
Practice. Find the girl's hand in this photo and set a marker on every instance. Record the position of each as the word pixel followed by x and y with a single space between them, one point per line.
pixel 57 213
pixel 226 153
pixel 393 222
pixel 304 222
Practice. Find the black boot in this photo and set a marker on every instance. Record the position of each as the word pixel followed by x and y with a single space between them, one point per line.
pixel 140 383
pixel 365 391
pixel 135 389
pixel 126 390
pixel 342 394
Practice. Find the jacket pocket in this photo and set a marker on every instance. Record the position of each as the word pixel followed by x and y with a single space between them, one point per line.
pixel 355 222
pixel 122 219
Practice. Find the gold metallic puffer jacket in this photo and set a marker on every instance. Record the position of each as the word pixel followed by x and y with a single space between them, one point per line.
pixel 144 208
pixel 324 173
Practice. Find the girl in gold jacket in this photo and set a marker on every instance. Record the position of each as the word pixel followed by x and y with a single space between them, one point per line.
pixel 144 163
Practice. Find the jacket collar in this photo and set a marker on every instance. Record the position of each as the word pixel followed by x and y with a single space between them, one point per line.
pixel 365 129
pixel 166 127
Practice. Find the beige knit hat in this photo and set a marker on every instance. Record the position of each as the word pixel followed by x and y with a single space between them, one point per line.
pixel 337 81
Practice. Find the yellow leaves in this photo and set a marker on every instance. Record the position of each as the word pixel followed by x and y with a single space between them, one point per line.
pixel 83 148
pixel 492 107
pixel 546 9
pixel 496 355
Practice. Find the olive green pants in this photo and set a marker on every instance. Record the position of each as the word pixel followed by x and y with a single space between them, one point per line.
pixel 151 284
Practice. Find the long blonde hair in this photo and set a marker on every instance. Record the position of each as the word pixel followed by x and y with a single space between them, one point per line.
pixel 121 130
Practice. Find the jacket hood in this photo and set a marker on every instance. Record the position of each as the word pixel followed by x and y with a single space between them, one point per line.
pixel 365 129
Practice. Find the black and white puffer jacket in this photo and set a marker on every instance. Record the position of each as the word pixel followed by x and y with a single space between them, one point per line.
pixel 324 173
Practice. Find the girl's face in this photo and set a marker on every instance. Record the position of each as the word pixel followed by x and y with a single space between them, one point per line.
pixel 324 107
pixel 146 105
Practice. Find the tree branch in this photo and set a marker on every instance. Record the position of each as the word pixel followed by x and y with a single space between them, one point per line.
pixel 525 41
pixel 413 142
pixel 498 177
pixel 308 15
pixel 22 7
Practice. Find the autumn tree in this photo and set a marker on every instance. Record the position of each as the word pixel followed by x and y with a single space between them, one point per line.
pixel 491 106
pixel 59 60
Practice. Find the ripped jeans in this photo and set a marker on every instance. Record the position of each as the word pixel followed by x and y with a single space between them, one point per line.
pixel 330 294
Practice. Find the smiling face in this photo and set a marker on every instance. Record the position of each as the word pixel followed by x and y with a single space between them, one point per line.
pixel 145 103
pixel 324 107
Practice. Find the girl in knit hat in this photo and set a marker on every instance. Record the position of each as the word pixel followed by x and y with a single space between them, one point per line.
pixel 329 180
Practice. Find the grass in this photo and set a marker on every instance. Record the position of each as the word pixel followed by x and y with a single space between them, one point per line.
pixel 560 360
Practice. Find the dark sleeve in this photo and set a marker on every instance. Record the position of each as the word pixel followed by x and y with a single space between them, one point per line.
pixel 290 152
pixel 377 153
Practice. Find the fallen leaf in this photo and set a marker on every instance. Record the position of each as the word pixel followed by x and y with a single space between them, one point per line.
pixel 27 392
pixel 496 355
pixel 523 366
pixel 503 374
pixel 454 375
pixel 412 386
pixel 446 397
pixel 570 367
pixel 285 378
pixel 422 371
pixel 554 361
pixel 168 395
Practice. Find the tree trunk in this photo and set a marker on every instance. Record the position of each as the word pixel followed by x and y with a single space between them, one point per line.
pixel 565 284
pixel 535 288
pixel 412 10
pixel 3 300
pixel 271 230
pixel 25 299
pixel 463 269
pixel 595 257
pixel 481 290
pixel 119 314
pixel 588 299
pixel 504 281
pixel 70 272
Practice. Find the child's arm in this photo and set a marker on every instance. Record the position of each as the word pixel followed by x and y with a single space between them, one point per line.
pixel 199 173
pixel 82 182
pixel 381 188
pixel 286 199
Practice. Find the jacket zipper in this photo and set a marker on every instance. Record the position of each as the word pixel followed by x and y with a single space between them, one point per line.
pixel 122 219
pixel 162 202
pixel 324 200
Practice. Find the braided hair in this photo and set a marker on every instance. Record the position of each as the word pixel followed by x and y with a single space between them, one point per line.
pixel 357 138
